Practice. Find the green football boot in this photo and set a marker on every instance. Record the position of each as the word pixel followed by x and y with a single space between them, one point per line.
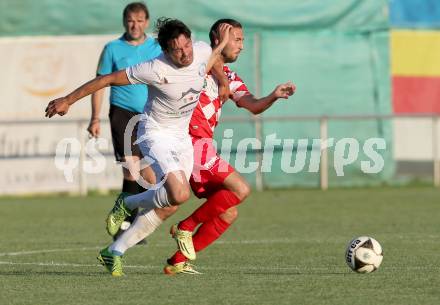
pixel 113 263
pixel 117 215
pixel 184 267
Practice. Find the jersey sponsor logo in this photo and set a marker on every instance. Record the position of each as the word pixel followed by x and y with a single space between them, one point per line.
pixel 179 113
pixel 208 165
pixel 189 91
pixel 189 98
pixel 189 104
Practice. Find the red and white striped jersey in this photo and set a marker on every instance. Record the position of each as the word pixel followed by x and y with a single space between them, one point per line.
pixel 207 113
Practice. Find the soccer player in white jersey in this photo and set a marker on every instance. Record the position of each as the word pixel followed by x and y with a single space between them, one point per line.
pixel 175 80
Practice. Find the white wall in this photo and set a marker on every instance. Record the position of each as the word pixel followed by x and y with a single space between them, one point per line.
pixel 34 71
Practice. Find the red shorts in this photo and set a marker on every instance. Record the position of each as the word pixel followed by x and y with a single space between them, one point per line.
pixel 209 170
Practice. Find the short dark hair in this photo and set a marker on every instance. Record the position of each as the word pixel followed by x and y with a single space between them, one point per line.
pixel 135 7
pixel 213 32
pixel 168 29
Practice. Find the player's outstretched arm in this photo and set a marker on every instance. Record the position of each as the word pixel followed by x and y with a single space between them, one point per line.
pixel 223 30
pixel 258 105
pixel 61 105
pixel 94 127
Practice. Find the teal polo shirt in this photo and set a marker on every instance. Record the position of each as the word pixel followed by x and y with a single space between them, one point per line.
pixel 117 55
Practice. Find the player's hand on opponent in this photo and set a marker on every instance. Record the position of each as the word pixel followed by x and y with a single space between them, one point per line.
pixel 284 90
pixel 58 106
pixel 94 128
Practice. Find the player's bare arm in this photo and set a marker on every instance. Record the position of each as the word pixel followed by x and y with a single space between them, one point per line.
pixel 256 106
pixel 61 106
pixel 223 82
pixel 224 30
pixel 94 127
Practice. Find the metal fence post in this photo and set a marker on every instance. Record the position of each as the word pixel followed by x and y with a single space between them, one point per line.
pixel 82 181
pixel 435 151
pixel 323 171
pixel 259 182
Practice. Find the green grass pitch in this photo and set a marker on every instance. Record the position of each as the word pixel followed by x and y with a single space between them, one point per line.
pixel 287 247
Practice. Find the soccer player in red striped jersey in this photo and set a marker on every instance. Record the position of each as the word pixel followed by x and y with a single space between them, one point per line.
pixel 213 178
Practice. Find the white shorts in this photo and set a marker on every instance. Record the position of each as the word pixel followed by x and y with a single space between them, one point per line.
pixel 167 153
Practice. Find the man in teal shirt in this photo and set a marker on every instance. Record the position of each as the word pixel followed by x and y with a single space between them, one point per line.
pixel 133 47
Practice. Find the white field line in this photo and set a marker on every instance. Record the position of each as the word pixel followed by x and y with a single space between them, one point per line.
pixel 156 244
pixel 229 268
pixel 53 264
pixel 224 242
pixel 249 268
pixel 46 251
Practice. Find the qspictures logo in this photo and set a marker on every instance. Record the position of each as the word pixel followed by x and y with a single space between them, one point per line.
pixel 292 156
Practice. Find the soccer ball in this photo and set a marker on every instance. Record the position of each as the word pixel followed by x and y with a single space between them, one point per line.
pixel 364 254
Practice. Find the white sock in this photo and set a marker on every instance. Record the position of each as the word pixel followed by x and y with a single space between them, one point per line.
pixel 143 226
pixel 149 199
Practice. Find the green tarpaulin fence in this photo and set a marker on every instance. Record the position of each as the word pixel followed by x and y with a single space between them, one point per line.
pixel 335 51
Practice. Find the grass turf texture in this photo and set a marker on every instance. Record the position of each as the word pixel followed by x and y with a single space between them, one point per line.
pixel 287 247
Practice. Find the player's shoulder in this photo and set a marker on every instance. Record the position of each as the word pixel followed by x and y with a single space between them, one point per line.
pixel 201 46
pixel 160 64
pixel 202 51
pixel 231 74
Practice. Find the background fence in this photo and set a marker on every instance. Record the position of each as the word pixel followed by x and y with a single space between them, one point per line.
pixel 420 165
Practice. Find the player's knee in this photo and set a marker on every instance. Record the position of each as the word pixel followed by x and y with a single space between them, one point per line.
pixel 243 191
pixel 179 196
pixel 230 215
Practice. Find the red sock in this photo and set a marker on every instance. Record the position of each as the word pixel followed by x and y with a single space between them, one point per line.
pixel 215 205
pixel 178 257
pixel 205 235
pixel 209 232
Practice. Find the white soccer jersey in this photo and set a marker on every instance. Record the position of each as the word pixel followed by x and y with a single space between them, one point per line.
pixel 172 92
